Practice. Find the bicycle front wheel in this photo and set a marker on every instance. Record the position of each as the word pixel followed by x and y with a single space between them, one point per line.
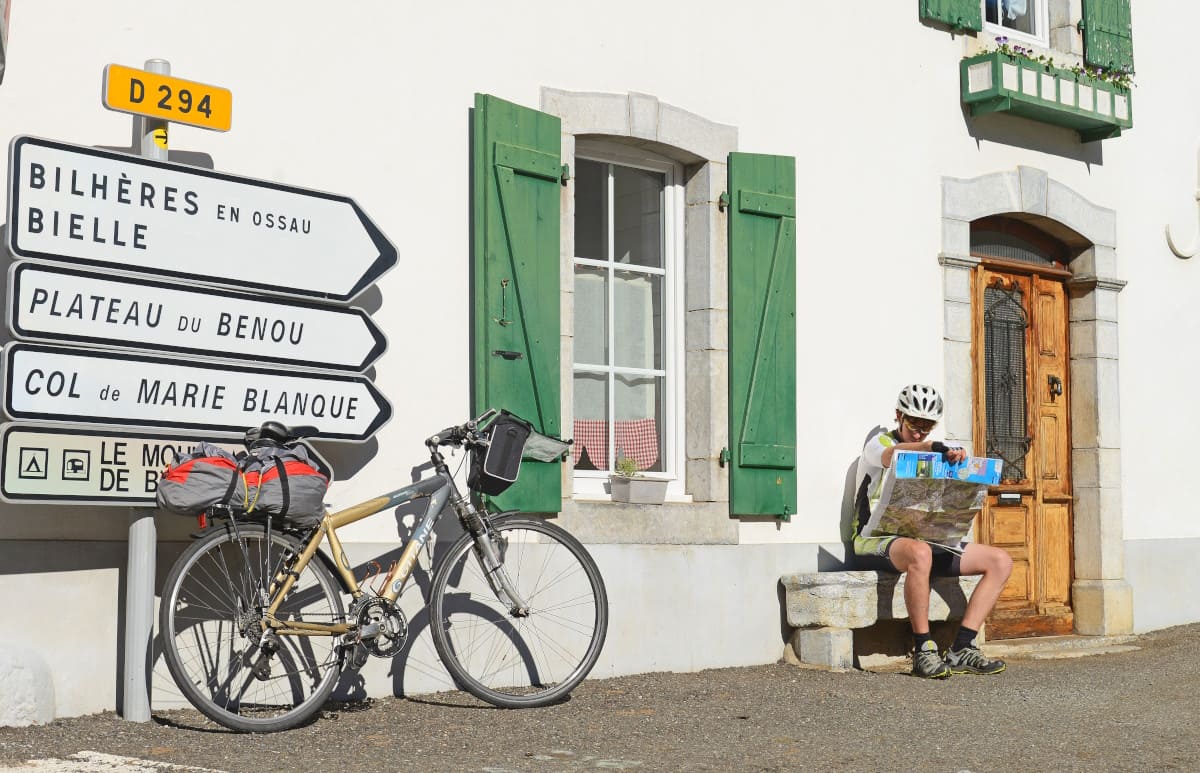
pixel 210 620
pixel 520 658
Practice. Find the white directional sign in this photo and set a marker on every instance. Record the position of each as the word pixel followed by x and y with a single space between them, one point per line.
pixel 91 387
pixel 48 464
pixel 78 465
pixel 61 304
pixel 84 205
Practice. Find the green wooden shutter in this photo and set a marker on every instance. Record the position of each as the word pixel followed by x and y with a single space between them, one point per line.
pixel 957 14
pixel 515 280
pixel 1107 34
pixel 762 334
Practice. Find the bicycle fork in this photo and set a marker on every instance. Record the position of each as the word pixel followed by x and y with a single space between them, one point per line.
pixel 488 553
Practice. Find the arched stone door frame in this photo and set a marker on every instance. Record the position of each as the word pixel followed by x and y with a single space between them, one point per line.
pixel 1101 598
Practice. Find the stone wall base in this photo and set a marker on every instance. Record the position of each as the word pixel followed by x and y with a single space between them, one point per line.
pixel 1102 607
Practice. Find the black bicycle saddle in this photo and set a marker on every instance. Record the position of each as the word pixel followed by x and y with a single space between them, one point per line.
pixel 269 433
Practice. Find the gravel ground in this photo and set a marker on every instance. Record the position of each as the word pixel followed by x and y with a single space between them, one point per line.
pixel 1128 711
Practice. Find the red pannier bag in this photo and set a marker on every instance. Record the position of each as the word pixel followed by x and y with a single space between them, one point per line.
pixel 277 481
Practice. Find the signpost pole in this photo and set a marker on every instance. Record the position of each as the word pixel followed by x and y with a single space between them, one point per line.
pixel 143 538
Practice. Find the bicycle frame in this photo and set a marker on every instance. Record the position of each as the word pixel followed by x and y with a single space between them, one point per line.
pixel 441 490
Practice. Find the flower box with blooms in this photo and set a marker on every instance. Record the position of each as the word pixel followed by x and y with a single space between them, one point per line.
pixel 1010 79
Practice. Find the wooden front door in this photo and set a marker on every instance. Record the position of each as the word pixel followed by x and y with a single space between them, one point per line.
pixel 1021 416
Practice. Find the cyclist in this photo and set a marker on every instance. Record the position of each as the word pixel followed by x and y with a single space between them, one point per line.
pixel 918 410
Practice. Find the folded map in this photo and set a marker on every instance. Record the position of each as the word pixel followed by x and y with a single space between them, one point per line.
pixel 927 498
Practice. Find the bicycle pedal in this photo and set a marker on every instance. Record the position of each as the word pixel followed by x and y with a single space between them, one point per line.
pixel 357 657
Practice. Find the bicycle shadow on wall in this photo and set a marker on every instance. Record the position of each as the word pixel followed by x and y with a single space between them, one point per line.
pixel 477 623
pixel 469 604
pixel 416 660
pixel 461 607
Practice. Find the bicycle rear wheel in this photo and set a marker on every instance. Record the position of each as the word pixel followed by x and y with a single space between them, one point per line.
pixel 507 659
pixel 210 623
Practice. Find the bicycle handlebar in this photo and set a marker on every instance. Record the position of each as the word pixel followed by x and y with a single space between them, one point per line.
pixel 450 436
pixel 461 434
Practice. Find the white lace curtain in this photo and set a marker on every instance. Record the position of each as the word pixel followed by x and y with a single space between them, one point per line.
pixel 634 343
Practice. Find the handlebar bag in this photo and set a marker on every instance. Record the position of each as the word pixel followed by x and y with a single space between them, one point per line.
pixel 275 480
pixel 495 467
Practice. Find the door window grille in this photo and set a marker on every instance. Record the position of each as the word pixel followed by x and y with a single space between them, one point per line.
pixel 1009 246
pixel 1005 324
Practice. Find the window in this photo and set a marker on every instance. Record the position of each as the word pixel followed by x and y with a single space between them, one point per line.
pixel 1008 238
pixel 627 318
pixel 1022 20
pixel 698 163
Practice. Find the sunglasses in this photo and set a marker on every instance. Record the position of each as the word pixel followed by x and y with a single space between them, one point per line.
pixel 923 427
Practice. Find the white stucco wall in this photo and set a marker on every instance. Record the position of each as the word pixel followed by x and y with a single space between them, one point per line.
pixel 371 100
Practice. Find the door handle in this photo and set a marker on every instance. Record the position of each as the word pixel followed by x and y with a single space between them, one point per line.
pixel 1056 386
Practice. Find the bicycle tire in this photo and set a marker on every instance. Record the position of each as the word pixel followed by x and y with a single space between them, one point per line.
pixel 520 662
pixel 208 620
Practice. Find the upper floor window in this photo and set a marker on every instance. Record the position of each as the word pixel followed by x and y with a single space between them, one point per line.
pixel 627 321
pixel 1021 20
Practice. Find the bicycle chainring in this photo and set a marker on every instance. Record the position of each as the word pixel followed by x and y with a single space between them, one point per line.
pixel 393 626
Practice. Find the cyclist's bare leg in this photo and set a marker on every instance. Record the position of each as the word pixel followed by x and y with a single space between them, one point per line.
pixel 915 559
pixel 994 565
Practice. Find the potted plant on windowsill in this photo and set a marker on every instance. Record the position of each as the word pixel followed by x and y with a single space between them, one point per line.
pixel 629 485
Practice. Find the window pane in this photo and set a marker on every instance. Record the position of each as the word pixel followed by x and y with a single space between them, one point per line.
pixel 637 320
pixel 590 449
pixel 591 210
pixel 591 315
pixel 1017 15
pixel 639 425
pixel 637 218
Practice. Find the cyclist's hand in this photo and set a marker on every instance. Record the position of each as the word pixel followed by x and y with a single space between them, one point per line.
pixel 953 454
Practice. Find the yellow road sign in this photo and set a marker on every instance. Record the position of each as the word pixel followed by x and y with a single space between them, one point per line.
pixel 127 90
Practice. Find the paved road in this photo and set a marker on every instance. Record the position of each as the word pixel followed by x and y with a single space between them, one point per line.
pixel 1135 710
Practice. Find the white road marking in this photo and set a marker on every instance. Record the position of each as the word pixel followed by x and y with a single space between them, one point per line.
pixel 95 762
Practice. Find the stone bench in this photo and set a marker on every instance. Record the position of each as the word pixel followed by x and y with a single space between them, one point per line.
pixel 825 608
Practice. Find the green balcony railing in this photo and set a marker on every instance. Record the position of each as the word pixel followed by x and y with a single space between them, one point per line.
pixel 998 82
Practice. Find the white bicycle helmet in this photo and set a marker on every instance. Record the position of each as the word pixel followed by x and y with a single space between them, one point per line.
pixel 918 401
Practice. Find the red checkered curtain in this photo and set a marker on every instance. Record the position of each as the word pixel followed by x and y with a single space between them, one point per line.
pixel 635 438
pixel 591 435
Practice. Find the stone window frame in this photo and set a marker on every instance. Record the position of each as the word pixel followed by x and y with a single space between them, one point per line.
pixel 1101 598
pixel 702 148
